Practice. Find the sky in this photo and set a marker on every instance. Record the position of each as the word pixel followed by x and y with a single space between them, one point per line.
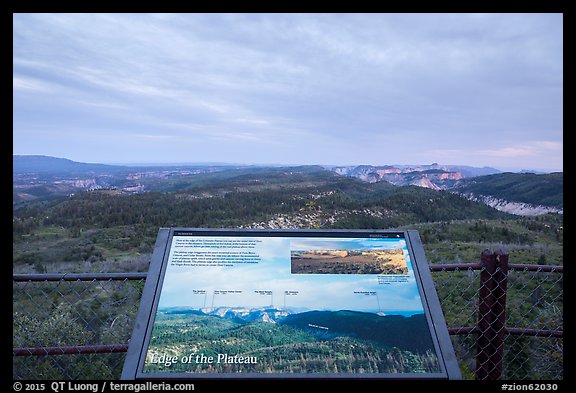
pixel 187 284
pixel 290 89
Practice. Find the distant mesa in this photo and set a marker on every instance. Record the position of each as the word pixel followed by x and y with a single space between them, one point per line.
pixel 435 176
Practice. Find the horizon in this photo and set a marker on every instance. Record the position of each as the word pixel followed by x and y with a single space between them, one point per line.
pixel 161 164
pixel 291 89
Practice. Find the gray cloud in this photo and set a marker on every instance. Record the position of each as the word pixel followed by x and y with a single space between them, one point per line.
pixel 289 88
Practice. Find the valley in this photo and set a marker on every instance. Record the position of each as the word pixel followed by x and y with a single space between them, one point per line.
pixel 108 229
pixel 44 178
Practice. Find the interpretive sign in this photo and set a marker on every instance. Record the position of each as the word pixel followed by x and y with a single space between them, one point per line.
pixel 289 303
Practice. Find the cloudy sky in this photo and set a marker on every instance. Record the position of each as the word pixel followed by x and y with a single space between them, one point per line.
pixel 341 89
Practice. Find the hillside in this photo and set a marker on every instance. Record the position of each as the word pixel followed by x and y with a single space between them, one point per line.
pixel 240 198
pixel 530 188
pixel 525 194
pixel 42 178
pixel 104 226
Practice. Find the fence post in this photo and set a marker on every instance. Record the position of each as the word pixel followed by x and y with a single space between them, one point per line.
pixel 491 314
pixel 499 311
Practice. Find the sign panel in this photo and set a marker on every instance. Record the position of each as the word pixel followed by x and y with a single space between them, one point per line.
pixel 251 303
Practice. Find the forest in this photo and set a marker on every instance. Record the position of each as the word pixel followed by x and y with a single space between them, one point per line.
pixel 519 187
pixel 105 231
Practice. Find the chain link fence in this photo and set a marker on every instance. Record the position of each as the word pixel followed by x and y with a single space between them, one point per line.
pixel 523 339
pixel 73 326
pixel 533 348
pixel 78 326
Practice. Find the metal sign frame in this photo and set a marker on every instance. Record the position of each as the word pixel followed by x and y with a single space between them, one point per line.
pixel 136 358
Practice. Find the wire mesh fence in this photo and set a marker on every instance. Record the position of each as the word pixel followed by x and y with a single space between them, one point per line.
pixel 531 346
pixel 458 294
pixel 73 329
pixel 77 327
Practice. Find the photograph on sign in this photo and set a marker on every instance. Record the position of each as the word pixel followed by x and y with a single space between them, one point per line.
pixel 289 305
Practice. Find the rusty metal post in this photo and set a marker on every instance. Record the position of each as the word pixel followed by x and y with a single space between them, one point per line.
pixel 485 303
pixel 499 313
pixel 491 314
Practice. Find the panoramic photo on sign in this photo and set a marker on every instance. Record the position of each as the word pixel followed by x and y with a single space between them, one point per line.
pixel 240 303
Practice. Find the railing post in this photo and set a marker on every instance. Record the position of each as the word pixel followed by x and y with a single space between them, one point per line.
pixel 491 314
pixel 485 303
pixel 499 312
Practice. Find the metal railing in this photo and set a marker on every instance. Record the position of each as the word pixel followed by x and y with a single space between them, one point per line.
pixel 491 324
pixel 494 311
pixel 90 316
